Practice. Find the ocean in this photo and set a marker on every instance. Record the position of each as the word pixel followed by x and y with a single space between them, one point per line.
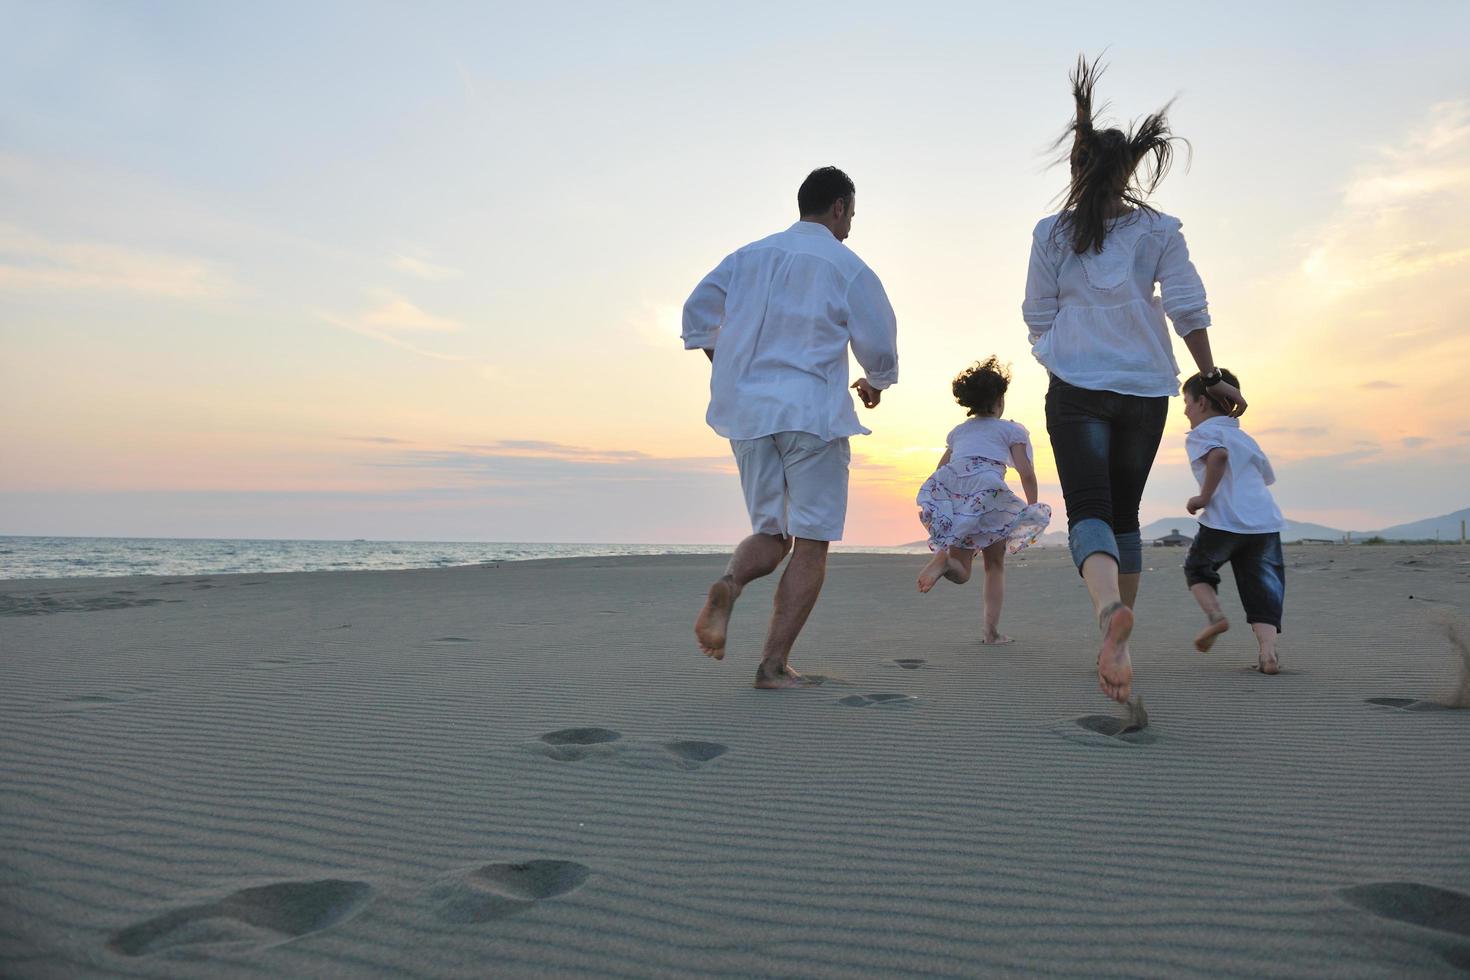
pixel 39 557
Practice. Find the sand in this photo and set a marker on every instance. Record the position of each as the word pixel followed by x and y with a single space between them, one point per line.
pixel 530 769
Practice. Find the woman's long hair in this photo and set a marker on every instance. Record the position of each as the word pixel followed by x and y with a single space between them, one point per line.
pixel 1105 164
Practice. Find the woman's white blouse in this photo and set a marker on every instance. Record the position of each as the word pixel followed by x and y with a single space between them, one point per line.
pixel 1095 320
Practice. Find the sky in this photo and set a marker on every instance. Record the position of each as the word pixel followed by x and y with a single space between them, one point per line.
pixel 414 271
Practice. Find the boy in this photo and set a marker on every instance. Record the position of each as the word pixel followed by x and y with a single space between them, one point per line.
pixel 1240 523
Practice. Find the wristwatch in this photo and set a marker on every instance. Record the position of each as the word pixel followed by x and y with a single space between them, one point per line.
pixel 1212 377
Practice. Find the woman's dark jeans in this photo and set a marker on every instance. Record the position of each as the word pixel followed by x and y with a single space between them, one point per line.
pixel 1104 445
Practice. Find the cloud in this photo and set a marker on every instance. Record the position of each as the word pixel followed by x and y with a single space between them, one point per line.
pixel 1380 384
pixel 423 269
pixel 391 314
pixel 32 262
pixel 559 449
pixel 554 468
pixel 1308 431
pixel 377 440
pixel 1414 442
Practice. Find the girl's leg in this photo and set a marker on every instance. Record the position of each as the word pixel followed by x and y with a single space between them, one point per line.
pixel 995 591
pixel 958 569
pixel 937 565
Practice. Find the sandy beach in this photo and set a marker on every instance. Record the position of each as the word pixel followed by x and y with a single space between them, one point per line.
pixel 529 769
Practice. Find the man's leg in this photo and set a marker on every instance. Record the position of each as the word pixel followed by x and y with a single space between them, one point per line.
pixel 755 557
pixel 796 594
pixel 763 483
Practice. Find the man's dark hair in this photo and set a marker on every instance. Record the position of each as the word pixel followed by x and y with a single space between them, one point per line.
pixel 822 188
pixel 1195 388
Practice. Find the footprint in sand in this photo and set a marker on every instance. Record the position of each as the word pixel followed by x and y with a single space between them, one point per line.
pixel 453 639
pixel 910 663
pixel 252 917
pixel 1407 704
pixel 688 754
pixel 1421 905
pixel 885 700
pixel 1105 730
pixel 103 699
pixel 571 744
pixel 494 891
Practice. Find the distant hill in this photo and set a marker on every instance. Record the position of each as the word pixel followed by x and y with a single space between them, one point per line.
pixel 1447 525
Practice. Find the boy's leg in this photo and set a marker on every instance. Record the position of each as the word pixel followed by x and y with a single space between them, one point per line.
pixel 994 556
pixel 1209 550
pixel 1260 575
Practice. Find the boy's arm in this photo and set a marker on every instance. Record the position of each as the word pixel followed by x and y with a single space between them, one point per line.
pixel 1215 462
pixel 1021 460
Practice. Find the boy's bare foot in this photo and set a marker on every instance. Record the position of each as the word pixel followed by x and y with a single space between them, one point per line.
pixel 1268 663
pixel 933 571
pixel 1114 668
pixel 714 618
pixel 1206 639
pixel 994 638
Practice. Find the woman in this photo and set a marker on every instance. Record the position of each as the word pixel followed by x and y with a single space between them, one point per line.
pixel 1098 327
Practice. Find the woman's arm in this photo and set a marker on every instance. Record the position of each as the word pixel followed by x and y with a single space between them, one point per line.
pixel 1229 396
pixel 1026 470
pixel 1039 308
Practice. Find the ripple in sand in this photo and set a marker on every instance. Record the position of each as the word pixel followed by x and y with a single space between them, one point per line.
pixel 910 663
pixel 882 700
pixel 691 754
pixel 494 891
pixel 256 917
pixel 453 639
pixel 1421 905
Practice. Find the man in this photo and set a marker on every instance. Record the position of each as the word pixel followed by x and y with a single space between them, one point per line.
pixel 776 319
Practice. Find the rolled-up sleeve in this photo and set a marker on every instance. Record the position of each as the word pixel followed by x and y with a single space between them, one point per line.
pixel 704 310
pixel 1039 308
pixel 1180 288
pixel 873 328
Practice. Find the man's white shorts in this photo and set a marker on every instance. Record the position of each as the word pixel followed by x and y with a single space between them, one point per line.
pixel 795 484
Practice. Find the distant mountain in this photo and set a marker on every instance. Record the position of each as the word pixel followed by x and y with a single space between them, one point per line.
pixel 1447 526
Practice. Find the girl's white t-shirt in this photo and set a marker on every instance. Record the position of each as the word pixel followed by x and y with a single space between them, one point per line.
pixel 1241 503
pixel 990 438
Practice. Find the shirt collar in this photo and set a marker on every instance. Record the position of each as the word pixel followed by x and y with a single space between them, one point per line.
pixel 812 228
pixel 1219 420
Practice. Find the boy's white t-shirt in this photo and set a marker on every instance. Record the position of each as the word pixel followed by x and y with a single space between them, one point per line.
pixel 1241 503
pixel 988 437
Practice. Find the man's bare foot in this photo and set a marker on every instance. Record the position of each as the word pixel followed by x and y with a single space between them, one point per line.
pixel 714 618
pixel 1267 663
pixel 1114 668
pixel 781 680
pixel 933 571
pixel 1206 639
pixel 994 638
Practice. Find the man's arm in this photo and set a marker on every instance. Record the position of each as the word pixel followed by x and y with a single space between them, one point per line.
pixel 1215 462
pixel 704 310
pixel 874 331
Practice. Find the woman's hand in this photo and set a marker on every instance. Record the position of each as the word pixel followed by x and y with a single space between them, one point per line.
pixel 1229 397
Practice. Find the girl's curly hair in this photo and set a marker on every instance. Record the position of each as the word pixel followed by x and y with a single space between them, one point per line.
pixel 982 385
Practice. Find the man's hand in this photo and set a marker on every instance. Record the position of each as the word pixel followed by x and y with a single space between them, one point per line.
pixel 870 395
pixel 1229 398
pixel 1197 504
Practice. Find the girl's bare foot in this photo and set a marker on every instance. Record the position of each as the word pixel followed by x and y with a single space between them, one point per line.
pixel 1114 668
pixel 1206 639
pixel 995 638
pixel 933 571
pixel 714 618
pixel 1267 663
pixel 780 679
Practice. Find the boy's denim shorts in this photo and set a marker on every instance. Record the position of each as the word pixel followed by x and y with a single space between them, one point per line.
pixel 1256 562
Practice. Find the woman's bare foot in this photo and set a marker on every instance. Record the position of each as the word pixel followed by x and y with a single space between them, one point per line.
pixel 782 679
pixel 1114 668
pixel 714 618
pixel 1206 639
pixel 933 571
pixel 995 638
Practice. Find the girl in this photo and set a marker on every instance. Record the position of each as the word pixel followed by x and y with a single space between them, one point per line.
pixel 1098 327
pixel 966 505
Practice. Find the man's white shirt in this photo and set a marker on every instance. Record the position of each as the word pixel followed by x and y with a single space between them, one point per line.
pixel 780 314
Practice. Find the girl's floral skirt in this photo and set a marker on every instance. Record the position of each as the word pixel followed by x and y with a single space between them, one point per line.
pixel 966 504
